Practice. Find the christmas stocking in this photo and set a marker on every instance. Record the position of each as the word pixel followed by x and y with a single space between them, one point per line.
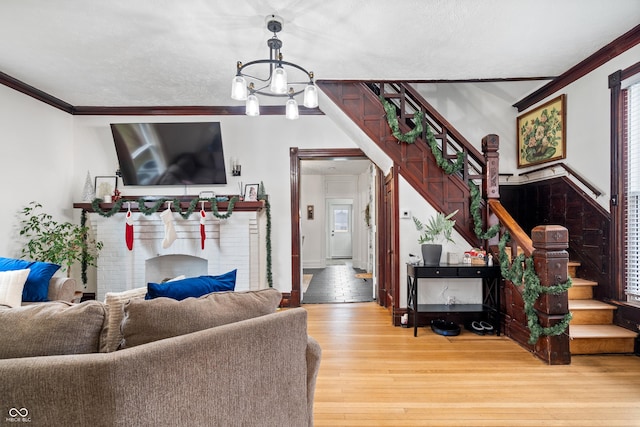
pixel 128 232
pixel 203 234
pixel 169 228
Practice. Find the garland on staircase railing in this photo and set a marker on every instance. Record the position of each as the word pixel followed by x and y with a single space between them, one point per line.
pixel 526 275
pixel 410 137
pixel 156 207
pixel 515 272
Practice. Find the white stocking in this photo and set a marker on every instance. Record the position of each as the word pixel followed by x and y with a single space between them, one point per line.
pixel 169 229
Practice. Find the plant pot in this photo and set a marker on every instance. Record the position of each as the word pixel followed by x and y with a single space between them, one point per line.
pixel 431 254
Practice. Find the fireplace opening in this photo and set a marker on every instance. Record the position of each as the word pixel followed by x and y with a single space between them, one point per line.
pixel 165 267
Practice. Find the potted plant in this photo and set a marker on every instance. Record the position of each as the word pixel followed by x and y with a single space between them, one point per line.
pixel 433 234
pixel 61 243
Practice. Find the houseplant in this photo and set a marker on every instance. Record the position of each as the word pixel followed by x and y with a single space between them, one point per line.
pixel 433 234
pixel 61 243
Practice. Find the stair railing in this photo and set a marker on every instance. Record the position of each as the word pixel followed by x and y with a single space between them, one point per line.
pixel 408 101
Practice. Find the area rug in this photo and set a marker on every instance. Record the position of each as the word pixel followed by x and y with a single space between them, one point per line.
pixel 306 279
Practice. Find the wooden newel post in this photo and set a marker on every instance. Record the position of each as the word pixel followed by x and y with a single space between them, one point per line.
pixel 491 181
pixel 550 260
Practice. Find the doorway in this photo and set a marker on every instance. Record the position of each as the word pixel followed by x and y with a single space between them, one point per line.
pixel 334 259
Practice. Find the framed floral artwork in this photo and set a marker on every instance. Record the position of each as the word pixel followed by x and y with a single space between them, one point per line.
pixel 541 134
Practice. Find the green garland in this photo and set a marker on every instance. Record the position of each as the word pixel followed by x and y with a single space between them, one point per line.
pixel 409 137
pixel 84 263
pixel 514 272
pixel 532 290
pixel 142 207
pixel 474 192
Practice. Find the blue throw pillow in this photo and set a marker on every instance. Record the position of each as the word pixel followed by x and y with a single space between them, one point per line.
pixel 192 286
pixel 36 288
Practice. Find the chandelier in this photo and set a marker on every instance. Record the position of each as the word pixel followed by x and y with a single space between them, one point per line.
pixel 277 83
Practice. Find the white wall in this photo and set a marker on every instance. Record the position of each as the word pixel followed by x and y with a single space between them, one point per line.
pixel 36 162
pixel 588 109
pixel 465 291
pixel 312 230
pixel 261 144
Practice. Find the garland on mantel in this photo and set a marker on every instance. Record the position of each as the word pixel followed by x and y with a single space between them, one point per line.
pixel 117 205
pixel 514 272
pixel 142 207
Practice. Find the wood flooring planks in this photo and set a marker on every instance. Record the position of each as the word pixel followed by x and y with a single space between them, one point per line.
pixel 375 374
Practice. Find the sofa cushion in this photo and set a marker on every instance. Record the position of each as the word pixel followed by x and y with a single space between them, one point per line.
pixel 156 319
pixel 115 302
pixel 11 285
pixel 192 286
pixel 36 288
pixel 51 328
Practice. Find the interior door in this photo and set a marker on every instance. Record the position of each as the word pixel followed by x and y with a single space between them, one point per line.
pixel 388 288
pixel 340 230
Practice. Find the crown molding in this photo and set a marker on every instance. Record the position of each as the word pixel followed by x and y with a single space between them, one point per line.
pixel 601 57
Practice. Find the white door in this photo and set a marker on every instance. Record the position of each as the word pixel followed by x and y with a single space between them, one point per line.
pixel 340 231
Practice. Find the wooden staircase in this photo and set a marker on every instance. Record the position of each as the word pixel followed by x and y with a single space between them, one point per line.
pixel 591 329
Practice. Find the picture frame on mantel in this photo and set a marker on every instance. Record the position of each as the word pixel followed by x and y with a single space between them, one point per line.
pixel 251 192
pixel 541 133
pixel 105 186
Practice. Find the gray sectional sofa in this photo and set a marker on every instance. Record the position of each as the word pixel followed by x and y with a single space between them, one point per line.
pixel 225 359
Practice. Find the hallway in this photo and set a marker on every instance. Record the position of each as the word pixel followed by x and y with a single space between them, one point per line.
pixel 337 283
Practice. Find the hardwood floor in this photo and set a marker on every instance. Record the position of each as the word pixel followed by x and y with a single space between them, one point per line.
pixel 375 374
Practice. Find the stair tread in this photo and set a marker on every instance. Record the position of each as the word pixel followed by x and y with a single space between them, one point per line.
pixel 600 331
pixel 589 304
pixel 576 281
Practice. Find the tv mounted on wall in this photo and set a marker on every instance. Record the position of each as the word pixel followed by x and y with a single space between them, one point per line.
pixel 170 153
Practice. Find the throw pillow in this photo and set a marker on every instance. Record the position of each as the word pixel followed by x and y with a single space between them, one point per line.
pixel 115 302
pixel 11 284
pixel 36 288
pixel 151 320
pixel 192 286
pixel 53 328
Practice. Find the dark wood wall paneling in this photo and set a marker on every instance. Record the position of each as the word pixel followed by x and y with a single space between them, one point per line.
pixel 558 201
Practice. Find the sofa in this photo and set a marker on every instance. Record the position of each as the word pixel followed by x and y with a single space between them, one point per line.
pixel 223 359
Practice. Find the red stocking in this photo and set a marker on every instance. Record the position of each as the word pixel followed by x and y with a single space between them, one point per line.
pixel 128 232
pixel 203 235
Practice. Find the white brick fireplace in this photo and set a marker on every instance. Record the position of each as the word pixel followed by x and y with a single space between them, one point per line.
pixel 234 243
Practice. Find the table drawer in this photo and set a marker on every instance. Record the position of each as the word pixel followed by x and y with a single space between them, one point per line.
pixel 476 272
pixel 438 272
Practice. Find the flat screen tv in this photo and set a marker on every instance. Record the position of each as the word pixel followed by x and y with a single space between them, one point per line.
pixel 170 153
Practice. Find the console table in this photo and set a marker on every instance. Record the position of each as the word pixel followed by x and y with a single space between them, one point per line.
pixel 490 290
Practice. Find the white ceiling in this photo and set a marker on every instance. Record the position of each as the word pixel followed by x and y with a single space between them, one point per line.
pixel 183 53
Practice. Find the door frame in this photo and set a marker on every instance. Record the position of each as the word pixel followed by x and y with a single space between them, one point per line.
pixel 296 155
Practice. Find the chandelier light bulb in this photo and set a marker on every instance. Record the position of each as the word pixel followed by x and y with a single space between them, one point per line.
pixel 279 81
pixel 239 88
pixel 310 96
pixel 291 109
pixel 252 107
